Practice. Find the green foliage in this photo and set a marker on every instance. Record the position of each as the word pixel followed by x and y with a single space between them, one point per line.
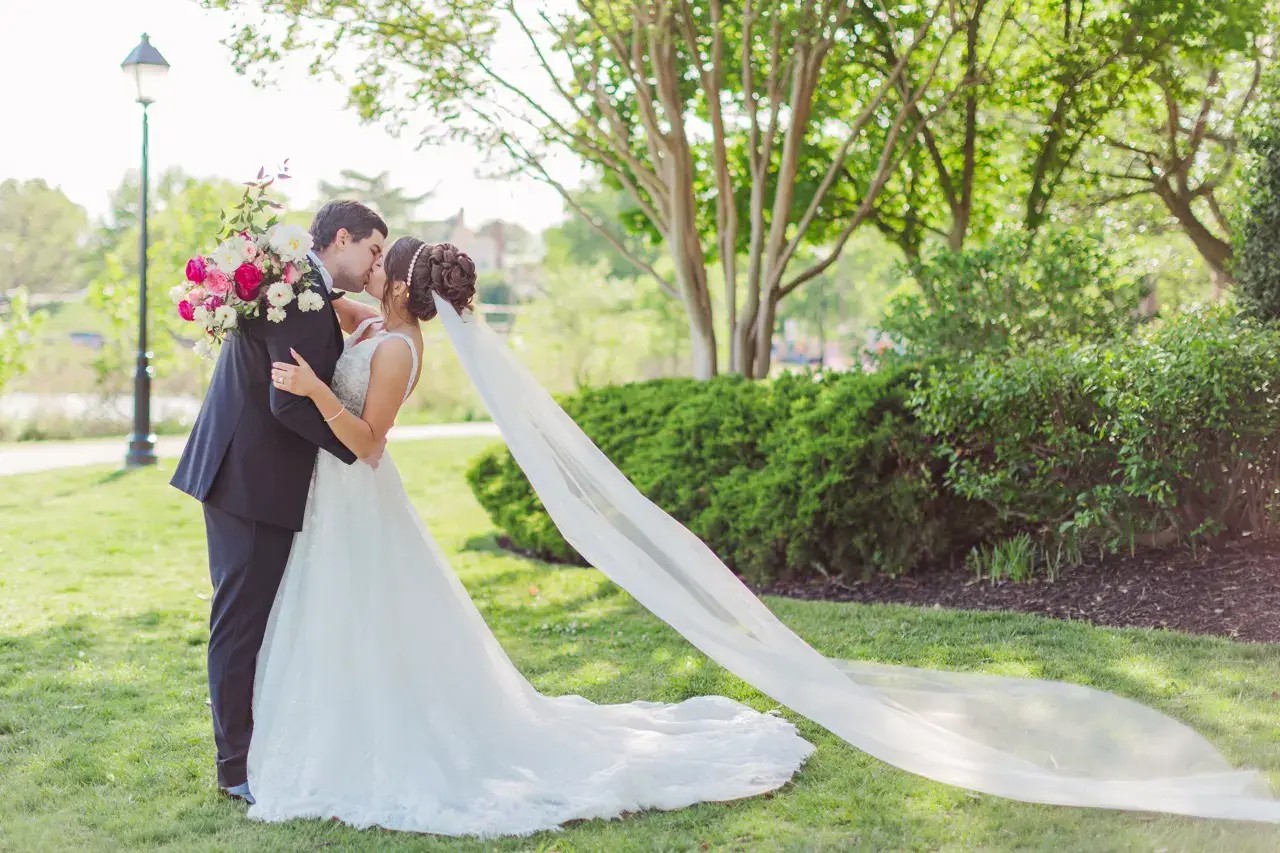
pixel 41 238
pixel 16 329
pixel 844 484
pixel 186 215
pixel 824 474
pixel 574 240
pixel 1258 235
pixel 1162 437
pixel 1016 291
pixel 1037 457
pixel 586 329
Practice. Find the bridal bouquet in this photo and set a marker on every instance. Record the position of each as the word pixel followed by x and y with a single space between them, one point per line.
pixel 258 265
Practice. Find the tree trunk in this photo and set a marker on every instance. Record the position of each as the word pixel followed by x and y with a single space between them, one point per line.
pixel 763 332
pixel 691 277
pixel 1216 252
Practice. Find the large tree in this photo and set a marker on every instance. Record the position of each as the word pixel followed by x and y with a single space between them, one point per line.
pixel 1178 140
pixel 42 234
pixel 781 104
pixel 1056 88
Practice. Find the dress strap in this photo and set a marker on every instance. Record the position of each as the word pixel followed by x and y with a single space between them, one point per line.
pixel 413 350
pixel 360 329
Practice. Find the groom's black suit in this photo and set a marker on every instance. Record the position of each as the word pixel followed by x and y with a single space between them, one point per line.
pixel 249 460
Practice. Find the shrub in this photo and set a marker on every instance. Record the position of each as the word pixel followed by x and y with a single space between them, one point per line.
pixel 1168 436
pixel 1257 266
pixel 808 473
pixel 1013 292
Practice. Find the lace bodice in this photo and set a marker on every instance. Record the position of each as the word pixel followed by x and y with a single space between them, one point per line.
pixel 351 376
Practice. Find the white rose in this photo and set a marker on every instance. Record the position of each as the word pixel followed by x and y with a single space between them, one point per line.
pixel 275 315
pixel 229 254
pixel 226 317
pixel 309 300
pixel 291 242
pixel 177 293
pixel 203 348
pixel 203 316
pixel 279 294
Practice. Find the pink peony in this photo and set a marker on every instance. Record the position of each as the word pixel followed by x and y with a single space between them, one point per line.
pixel 216 282
pixel 196 295
pixel 291 273
pixel 213 303
pixel 196 270
pixel 185 311
pixel 248 282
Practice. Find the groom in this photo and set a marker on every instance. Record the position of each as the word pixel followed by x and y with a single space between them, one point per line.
pixel 249 460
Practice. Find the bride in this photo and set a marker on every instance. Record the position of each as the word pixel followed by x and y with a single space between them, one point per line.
pixel 383 699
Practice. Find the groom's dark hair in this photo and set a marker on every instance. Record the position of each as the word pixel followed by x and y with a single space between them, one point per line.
pixel 359 220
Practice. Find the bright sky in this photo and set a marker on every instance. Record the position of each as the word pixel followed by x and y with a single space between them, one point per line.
pixel 70 118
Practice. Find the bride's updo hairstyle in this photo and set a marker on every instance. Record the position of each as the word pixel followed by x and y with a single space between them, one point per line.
pixel 440 268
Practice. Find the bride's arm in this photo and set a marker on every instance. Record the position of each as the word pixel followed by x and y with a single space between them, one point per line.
pixel 365 434
pixel 352 313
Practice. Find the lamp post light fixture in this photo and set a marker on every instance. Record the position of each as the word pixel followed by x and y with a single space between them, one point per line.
pixel 146 68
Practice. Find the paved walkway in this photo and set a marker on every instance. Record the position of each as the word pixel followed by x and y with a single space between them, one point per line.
pixel 29 457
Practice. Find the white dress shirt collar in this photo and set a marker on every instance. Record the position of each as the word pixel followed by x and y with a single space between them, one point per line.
pixel 324 273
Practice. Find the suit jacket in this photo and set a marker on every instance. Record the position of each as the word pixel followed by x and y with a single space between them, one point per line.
pixel 253 447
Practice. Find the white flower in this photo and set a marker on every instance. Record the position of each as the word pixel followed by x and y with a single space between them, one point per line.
pixel 226 317
pixel 309 300
pixel 203 348
pixel 249 250
pixel 291 242
pixel 178 293
pixel 275 315
pixel 229 254
pixel 279 294
pixel 203 316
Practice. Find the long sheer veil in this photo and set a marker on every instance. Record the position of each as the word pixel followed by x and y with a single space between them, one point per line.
pixel 1026 739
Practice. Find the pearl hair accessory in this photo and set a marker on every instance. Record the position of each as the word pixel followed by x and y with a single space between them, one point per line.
pixel 408 280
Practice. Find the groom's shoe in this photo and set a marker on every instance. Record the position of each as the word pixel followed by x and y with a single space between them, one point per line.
pixel 240 792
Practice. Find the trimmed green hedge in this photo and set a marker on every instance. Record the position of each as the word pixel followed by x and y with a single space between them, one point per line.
pixel 1163 436
pixel 800 475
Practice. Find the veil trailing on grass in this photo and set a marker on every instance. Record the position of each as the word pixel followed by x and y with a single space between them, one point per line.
pixel 1026 739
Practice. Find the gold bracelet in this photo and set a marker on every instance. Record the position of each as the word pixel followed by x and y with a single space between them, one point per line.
pixel 336 415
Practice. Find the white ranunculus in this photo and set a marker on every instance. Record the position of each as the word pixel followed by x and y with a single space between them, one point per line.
pixel 178 293
pixel 203 316
pixel 310 301
pixel 226 317
pixel 229 254
pixel 275 315
pixel 203 348
pixel 279 294
pixel 290 242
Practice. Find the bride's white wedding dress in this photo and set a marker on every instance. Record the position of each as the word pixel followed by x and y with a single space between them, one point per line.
pixel 382 698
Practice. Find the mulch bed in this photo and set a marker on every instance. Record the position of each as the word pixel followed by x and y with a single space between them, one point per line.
pixel 1231 590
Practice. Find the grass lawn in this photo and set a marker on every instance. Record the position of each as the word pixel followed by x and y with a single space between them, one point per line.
pixel 105 737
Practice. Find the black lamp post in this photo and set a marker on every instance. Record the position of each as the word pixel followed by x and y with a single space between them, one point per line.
pixel 146 69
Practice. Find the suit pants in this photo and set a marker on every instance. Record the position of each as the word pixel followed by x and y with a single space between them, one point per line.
pixel 246 563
